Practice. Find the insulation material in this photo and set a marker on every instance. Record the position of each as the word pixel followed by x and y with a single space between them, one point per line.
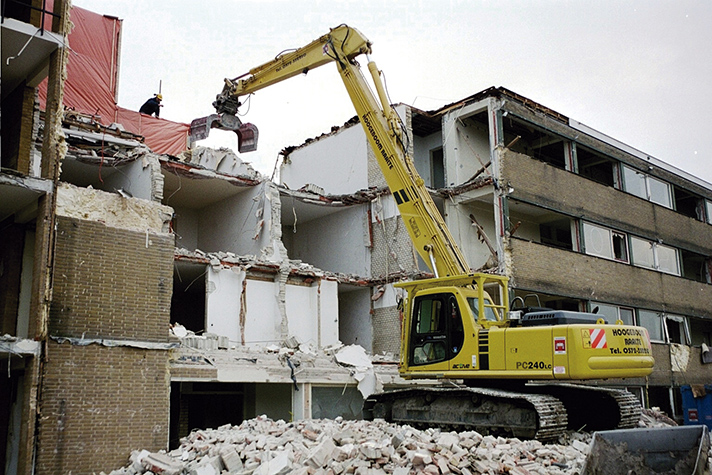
pixel 112 209
pixel 91 84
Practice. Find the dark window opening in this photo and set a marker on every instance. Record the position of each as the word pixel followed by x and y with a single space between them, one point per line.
pixel 620 246
pixel 557 233
pixel 594 166
pixel 437 169
pixel 527 139
pixel 188 300
pixel 700 331
pixel 695 266
pixel 688 204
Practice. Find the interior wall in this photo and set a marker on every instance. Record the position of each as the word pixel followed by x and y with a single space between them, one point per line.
pixel 355 326
pixel 232 224
pixel 458 220
pixel 262 318
pixel 223 290
pixel 467 146
pixel 185 227
pixel 134 178
pixel 336 163
pixel 336 242
pixel 421 154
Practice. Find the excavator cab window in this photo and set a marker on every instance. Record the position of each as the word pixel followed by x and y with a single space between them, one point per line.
pixel 438 332
pixel 490 314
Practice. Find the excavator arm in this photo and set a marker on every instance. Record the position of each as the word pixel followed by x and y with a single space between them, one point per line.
pixel 381 124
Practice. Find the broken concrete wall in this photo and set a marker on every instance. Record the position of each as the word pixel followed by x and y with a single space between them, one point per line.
pixel 467 144
pixel 244 224
pixel 112 209
pixel 336 163
pixel 392 250
pixel 252 312
pixel 140 178
pixel 337 242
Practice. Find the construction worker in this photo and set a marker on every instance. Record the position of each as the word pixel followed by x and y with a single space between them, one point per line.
pixel 152 106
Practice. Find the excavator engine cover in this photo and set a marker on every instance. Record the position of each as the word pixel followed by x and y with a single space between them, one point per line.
pixel 247 133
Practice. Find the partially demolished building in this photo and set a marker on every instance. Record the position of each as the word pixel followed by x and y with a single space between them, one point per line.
pixel 576 219
pixel 145 294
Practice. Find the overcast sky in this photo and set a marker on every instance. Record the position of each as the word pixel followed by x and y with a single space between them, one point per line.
pixel 638 71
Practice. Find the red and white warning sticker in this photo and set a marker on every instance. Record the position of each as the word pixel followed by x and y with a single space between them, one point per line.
pixel 594 338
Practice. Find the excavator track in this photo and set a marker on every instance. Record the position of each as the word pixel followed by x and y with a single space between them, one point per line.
pixel 592 408
pixel 486 410
pixel 543 411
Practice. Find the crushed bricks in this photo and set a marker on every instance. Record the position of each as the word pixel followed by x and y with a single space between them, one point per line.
pixel 262 446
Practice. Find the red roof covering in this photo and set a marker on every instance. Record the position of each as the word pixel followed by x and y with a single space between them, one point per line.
pixel 91 85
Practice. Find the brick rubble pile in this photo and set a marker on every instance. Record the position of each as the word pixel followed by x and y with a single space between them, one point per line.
pixel 261 446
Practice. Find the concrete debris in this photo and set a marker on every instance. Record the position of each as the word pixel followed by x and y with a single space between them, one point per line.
pixel 222 160
pixel 262 446
pixel 355 356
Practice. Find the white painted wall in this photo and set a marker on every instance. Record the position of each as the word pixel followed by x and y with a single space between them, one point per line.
pixel 222 301
pixel 355 326
pixel 421 154
pixel 460 225
pixel 336 242
pixel 466 147
pixel 337 163
pixel 231 224
pixel 186 228
pixel 263 319
pixel 312 311
pixel 134 178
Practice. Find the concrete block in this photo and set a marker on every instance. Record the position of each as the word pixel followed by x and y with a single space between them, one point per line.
pixel 370 450
pixel 205 469
pixel 162 464
pixel 231 459
pixel 421 458
pixel 277 465
pixel 321 454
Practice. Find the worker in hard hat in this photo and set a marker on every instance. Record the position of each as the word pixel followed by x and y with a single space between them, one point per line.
pixel 152 106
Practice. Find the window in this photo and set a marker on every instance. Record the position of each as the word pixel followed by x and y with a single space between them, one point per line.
pixel 677 329
pixel 642 252
pixel 708 209
pixel 653 322
pixel 437 169
pixel 613 313
pixel 656 256
pixel 667 259
pixel 647 187
pixel 603 242
pixel 438 332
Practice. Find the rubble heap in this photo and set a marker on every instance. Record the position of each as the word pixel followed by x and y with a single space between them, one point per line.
pixel 262 446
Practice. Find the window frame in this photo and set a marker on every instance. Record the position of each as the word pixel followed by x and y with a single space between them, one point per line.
pixel 650 192
pixel 612 235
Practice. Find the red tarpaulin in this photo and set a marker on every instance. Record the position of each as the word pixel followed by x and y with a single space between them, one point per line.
pixel 91 85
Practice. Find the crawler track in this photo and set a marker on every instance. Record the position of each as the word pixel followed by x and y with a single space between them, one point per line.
pixel 486 410
pixel 542 412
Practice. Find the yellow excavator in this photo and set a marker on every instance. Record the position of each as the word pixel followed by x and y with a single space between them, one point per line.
pixel 504 371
